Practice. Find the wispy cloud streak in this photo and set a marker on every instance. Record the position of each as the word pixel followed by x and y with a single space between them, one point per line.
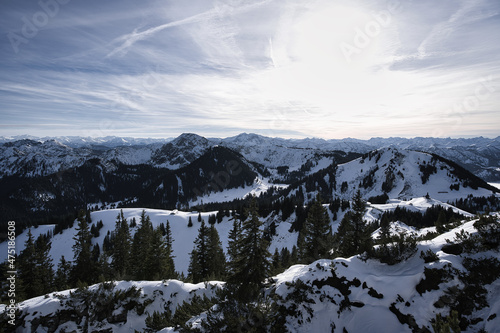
pixel 130 39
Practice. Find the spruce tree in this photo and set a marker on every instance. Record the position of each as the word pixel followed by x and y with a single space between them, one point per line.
pixel 353 236
pixel 133 223
pixel 83 269
pixel 233 248
pixel 441 222
pixel 96 262
pixel 106 273
pixel 207 261
pixel 198 267
pixel 286 258
pixel 317 232
pixel 156 260
pixel 62 277
pixel 151 253
pixel 252 264
pixel 217 258
pixel 27 268
pixel 141 248
pixel 44 265
pixel 194 269
pixel 294 256
pixel 121 247
pixel 276 266
pixel 385 233
pixel 35 267
pixel 170 272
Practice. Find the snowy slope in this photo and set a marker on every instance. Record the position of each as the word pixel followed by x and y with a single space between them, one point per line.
pixel 344 294
pixel 184 236
pixel 416 205
pixel 260 185
pixel 401 171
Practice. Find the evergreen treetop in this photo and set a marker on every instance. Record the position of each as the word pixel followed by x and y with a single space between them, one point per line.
pixel 317 233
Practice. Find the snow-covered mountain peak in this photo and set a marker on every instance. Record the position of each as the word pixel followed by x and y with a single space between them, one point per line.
pixel 397 173
pixel 189 140
pixel 181 151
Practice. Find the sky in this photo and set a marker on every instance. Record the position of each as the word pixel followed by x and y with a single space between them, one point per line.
pixel 284 68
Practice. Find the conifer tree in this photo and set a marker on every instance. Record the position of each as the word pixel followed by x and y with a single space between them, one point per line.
pixel 217 258
pixel 198 267
pixel 151 252
pixel 157 259
pixel 121 247
pixel 317 233
pixel 301 246
pixel 353 236
pixel 286 258
pixel 276 266
pixel 233 248
pixel 106 273
pixel 385 233
pixel 62 277
pixel 83 269
pixel 294 256
pixel 133 223
pixel 107 244
pixel 194 268
pixel 96 261
pixel 170 272
pixel 207 258
pixel 441 222
pixel 163 229
pixel 27 268
pixel 220 216
pixel 141 248
pixel 252 264
pixel 44 265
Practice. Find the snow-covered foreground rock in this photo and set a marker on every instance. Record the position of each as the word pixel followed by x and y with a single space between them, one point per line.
pixel 370 296
pixel 339 295
pixel 120 306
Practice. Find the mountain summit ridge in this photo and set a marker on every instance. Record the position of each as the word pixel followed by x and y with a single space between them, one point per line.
pixel 479 155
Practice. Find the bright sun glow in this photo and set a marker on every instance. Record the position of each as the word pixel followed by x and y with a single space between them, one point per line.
pixel 309 68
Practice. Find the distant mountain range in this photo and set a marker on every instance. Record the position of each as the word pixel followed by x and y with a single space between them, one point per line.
pixel 31 156
pixel 41 178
